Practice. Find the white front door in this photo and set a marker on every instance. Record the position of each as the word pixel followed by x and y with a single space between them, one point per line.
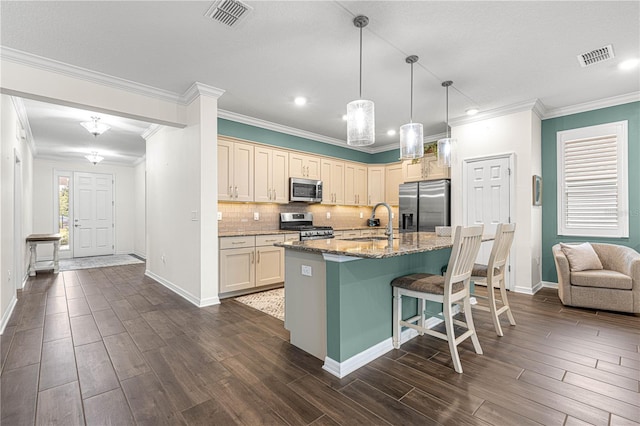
pixel 488 199
pixel 93 214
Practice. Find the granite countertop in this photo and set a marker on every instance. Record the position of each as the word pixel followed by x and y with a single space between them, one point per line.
pixel 280 231
pixel 403 244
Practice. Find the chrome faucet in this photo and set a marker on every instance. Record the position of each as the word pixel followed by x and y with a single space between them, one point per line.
pixel 389 231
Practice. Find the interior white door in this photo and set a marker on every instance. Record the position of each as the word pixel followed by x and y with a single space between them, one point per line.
pixel 488 199
pixel 92 214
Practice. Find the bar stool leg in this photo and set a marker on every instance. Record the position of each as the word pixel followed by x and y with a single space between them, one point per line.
pixel 494 309
pixel 397 311
pixel 421 313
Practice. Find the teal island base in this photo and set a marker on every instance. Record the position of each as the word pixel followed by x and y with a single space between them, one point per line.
pixel 339 308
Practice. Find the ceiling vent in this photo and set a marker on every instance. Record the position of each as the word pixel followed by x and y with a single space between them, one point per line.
pixel 595 56
pixel 229 12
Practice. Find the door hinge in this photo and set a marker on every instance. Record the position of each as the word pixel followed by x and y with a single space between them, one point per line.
pixel 509 171
pixel 509 268
pixel 113 203
pixel 113 247
pixel 509 219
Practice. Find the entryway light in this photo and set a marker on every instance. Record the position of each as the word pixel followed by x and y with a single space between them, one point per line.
pixel 472 111
pixel 94 158
pixel 300 100
pixel 629 64
pixel 391 132
pixel 444 144
pixel 411 134
pixel 95 127
pixel 360 113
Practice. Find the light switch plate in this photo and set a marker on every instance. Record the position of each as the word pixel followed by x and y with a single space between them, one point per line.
pixel 328 215
pixel 361 215
pixel 306 270
pixel 256 216
pixel 219 215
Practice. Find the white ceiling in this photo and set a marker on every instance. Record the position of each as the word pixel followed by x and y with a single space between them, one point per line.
pixel 497 54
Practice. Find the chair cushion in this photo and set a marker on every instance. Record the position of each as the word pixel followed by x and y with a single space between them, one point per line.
pixel 425 283
pixel 581 257
pixel 602 279
pixel 480 270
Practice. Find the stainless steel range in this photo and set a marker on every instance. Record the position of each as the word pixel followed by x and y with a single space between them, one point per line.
pixel 303 222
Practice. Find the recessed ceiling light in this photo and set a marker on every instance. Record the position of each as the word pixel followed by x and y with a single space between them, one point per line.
pixel 472 111
pixel 300 100
pixel 391 132
pixel 344 117
pixel 629 64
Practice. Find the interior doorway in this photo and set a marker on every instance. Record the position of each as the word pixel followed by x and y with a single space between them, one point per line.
pixel 488 199
pixel 93 224
pixel 18 237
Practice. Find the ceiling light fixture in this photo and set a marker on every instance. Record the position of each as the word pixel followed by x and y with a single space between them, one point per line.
pixel 411 134
pixel 300 100
pixel 472 111
pixel 94 158
pixel 391 132
pixel 95 127
pixel 444 144
pixel 629 64
pixel 360 113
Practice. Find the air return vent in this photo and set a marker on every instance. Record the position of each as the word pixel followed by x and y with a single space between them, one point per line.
pixel 595 56
pixel 229 12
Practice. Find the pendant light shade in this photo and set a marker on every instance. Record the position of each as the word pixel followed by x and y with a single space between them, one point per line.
pixel 94 158
pixel 95 127
pixel 411 134
pixel 444 144
pixel 360 113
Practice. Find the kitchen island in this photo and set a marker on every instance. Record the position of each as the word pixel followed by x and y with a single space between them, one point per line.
pixel 338 297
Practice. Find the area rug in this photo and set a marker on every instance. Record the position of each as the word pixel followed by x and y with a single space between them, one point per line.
pixel 98 262
pixel 270 302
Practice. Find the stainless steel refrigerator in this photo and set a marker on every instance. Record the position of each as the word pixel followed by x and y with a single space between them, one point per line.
pixel 425 205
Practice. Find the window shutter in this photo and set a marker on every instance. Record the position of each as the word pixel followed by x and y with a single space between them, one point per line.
pixel 592 181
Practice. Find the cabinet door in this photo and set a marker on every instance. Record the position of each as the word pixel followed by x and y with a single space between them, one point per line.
pixel 375 185
pixel 262 175
pixel 326 169
pixel 337 177
pixel 393 179
pixel 412 170
pixel 225 171
pixel 269 265
pixel 349 184
pixel 296 165
pixel 360 185
pixel 313 167
pixel 243 172
pixel 280 177
pixel 237 269
pixel 433 171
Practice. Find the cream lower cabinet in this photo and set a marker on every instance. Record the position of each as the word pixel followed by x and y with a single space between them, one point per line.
pixel 247 262
pixel 271 177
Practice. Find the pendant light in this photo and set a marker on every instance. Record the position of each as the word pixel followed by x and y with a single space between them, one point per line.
pixel 411 134
pixel 95 127
pixel 444 145
pixel 94 157
pixel 360 113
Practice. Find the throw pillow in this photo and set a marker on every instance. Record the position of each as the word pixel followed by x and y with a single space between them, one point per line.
pixel 581 257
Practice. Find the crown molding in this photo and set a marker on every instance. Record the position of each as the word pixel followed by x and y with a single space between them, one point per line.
pixel 21 112
pixel 17 56
pixel 151 130
pixel 268 125
pixel 590 106
pixel 531 105
pixel 200 89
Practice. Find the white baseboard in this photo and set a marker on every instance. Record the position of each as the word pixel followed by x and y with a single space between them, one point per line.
pixel 549 284
pixel 7 314
pixel 183 293
pixel 341 369
pixel 529 290
pixel 140 254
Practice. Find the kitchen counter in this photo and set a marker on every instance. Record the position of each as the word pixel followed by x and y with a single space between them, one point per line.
pixel 249 233
pixel 375 247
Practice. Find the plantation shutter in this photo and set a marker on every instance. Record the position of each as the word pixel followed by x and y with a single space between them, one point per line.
pixel 591 183
pixel 593 199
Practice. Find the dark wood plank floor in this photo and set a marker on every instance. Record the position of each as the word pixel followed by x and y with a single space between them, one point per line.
pixel 110 346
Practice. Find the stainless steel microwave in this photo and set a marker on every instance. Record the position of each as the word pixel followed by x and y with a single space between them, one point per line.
pixel 305 190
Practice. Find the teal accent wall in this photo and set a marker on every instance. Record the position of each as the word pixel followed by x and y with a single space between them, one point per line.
pixel 629 112
pixel 359 299
pixel 386 157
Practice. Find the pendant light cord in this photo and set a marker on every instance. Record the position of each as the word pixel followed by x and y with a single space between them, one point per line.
pixel 447 114
pixel 411 108
pixel 360 62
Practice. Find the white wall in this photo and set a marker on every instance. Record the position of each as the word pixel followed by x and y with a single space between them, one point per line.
pixel 182 244
pixel 124 198
pixel 12 144
pixel 517 133
pixel 139 243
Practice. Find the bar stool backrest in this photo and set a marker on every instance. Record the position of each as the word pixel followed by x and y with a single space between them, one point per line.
pixel 505 233
pixel 466 245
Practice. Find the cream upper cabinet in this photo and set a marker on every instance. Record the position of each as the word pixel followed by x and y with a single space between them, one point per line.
pixel 425 168
pixel 271 175
pixel 304 166
pixel 375 184
pixel 393 179
pixel 235 171
pixel 355 184
pixel 332 175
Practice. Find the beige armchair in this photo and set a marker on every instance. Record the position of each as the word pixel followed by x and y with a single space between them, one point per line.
pixel 614 288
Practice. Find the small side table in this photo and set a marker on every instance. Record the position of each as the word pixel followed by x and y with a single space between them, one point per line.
pixel 33 240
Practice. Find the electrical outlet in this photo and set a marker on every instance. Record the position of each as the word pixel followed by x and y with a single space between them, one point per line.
pixel 256 216
pixel 361 215
pixel 306 271
pixel 328 215
pixel 219 215
pixel 393 215
pixel 194 215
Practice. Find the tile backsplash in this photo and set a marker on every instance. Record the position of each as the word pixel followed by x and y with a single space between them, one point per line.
pixel 240 216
